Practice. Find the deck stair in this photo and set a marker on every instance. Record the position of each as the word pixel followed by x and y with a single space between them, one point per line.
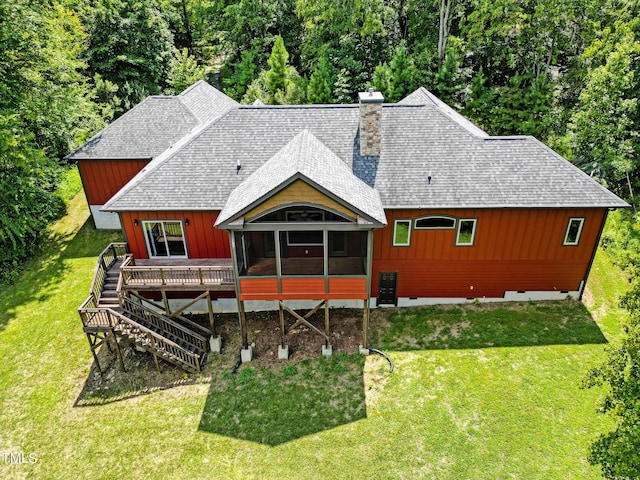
pixel 161 336
pixel 108 316
pixel 109 291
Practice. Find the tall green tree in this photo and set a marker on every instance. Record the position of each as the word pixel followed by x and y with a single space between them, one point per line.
pixel 244 72
pixel 382 80
pixel 46 109
pixel 276 76
pixel 604 128
pixel 319 89
pixel 402 69
pixel 280 84
pixel 618 451
pixel 185 71
pixel 130 45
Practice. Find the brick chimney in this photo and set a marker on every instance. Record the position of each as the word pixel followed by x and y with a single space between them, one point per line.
pixel 370 123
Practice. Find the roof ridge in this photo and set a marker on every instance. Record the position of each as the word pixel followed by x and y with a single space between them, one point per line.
pixel 191 87
pixel 191 112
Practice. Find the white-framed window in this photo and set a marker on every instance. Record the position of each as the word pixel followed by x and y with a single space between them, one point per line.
pixel 165 238
pixel 401 233
pixel 466 233
pixel 433 222
pixel 574 231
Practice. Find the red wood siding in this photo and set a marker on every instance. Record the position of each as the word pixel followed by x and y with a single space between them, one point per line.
pixel 514 249
pixel 306 286
pixel 258 288
pixel 103 178
pixel 302 288
pixel 203 239
pixel 347 285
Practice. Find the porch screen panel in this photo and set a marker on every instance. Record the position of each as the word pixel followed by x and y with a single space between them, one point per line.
pixel 347 252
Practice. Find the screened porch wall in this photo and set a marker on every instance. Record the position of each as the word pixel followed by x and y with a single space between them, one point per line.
pixel 301 253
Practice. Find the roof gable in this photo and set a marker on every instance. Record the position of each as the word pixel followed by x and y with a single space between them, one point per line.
pixel 155 124
pixel 308 159
pixel 206 102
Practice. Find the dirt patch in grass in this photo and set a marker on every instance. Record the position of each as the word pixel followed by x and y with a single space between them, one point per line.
pixel 265 336
pixel 141 376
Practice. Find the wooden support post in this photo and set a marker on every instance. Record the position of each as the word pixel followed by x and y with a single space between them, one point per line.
pixel 212 321
pixel 165 301
pixel 118 351
pixel 243 324
pixel 153 351
pixel 282 332
pixel 92 346
pixel 327 329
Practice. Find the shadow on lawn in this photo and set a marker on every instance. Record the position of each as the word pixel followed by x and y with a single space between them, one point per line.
pixel 276 405
pixel 489 325
pixel 269 403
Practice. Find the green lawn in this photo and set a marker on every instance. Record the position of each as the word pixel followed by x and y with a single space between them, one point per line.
pixel 478 392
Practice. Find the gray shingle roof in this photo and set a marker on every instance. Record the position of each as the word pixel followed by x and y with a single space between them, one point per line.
pixel 206 102
pixel 307 158
pixel 419 139
pixel 155 124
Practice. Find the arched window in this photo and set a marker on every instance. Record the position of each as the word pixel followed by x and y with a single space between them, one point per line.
pixel 435 222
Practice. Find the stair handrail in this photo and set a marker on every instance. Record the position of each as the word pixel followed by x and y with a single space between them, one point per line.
pixel 192 325
pixel 159 339
pixel 111 254
pixel 167 325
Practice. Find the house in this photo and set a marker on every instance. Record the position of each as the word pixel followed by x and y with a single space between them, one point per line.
pixel 373 203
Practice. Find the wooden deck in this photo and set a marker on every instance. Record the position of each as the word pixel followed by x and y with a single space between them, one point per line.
pixel 178 274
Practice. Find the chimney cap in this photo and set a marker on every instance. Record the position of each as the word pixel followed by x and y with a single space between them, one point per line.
pixel 370 97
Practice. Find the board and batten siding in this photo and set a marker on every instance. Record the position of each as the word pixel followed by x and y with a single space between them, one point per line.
pixel 203 239
pixel 514 250
pixel 102 179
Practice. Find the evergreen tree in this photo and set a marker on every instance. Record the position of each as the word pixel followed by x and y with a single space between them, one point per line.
pixel 448 81
pixel 319 90
pixel 282 82
pixel 402 75
pixel 382 80
pixel 481 101
pixel 276 76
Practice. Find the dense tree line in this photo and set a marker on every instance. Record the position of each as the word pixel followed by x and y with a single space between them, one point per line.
pixel 565 71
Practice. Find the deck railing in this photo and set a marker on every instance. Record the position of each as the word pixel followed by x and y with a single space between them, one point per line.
pixel 135 311
pixel 106 259
pixel 100 317
pixel 134 275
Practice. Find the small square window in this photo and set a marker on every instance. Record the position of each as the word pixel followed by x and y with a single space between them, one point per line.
pixel 574 230
pixel 401 233
pixel 466 232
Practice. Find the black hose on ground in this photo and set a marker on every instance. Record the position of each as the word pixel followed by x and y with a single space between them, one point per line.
pixel 238 363
pixel 380 352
